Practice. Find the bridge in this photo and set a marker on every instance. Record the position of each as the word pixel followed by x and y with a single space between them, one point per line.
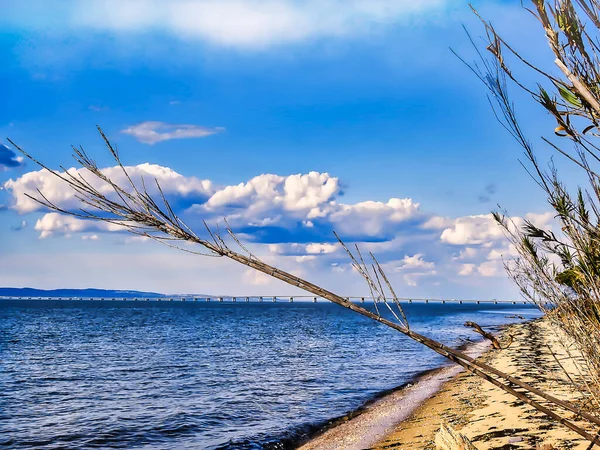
pixel 266 298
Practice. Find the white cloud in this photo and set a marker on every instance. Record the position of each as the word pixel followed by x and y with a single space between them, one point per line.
pixel 505 252
pixel 322 248
pixel 270 199
pixel 152 132
pixel 303 250
pixel 256 278
pixel 52 223
pixel 544 220
pixel 305 258
pixel 133 239
pixel 438 222
pixel 172 183
pixel 465 253
pixel 308 193
pixel 466 269
pixel 472 230
pixel 415 262
pixel 372 218
pixel 412 279
pixel 483 229
pixel 490 269
pixel 413 268
pixel 272 211
pixel 249 24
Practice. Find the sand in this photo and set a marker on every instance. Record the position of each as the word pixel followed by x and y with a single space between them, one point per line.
pixel 381 418
pixel 489 417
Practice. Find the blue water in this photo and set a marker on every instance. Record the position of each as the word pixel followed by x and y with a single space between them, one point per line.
pixel 82 374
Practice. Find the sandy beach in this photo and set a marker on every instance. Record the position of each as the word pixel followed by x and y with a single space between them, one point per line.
pixel 490 418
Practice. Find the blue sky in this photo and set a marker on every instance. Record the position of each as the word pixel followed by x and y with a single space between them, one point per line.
pixel 292 119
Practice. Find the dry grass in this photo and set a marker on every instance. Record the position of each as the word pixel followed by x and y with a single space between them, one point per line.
pixel 558 268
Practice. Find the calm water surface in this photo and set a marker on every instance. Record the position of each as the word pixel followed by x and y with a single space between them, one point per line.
pixel 203 375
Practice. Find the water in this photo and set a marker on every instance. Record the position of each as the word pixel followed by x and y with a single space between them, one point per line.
pixel 77 374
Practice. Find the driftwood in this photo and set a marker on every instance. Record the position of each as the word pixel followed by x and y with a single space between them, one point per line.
pixel 449 439
pixel 134 209
pixel 485 334
pixel 515 316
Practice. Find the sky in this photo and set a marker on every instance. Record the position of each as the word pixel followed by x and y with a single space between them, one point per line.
pixel 292 119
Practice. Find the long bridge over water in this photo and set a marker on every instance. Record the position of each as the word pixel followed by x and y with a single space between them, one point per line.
pixel 265 298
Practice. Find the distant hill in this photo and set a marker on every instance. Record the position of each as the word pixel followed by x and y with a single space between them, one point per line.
pixel 30 292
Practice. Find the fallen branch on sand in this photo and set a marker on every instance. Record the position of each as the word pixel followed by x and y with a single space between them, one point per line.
pixel 134 209
pixel 490 337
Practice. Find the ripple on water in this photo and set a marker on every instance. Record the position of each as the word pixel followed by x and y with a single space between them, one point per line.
pixel 200 375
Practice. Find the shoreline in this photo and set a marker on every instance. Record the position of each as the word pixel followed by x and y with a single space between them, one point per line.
pixel 409 417
pixel 367 425
pixel 491 418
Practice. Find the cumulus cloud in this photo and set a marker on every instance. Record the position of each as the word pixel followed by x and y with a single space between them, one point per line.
pixel 466 253
pixel 472 230
pixel 483 230
pixel 181 190
pixel 321 248
pixel 305 258
pixel 412 279
pixel 500 253
pixel 490 269
pixel 9 159
pixel 415 262
pixel 374 218
pixel 267 208
pixel 543 220
pixel 466 269
pixel 305 251
pixel 290 219
pixel 248 24
pixel 308 193
pixel 52 223
pixel 151 132
pixel 413 268
pixel 301 201
pixel 437 223
pixel 256 278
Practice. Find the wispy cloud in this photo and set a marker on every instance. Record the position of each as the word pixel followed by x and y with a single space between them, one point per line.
pixel 247 23
pixel 151 132
pixel 9 159
pixel 19 227
pixel 98 108
pixel 489 190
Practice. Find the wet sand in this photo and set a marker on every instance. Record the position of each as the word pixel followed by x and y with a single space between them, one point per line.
pixel 492 419
pixel 380 418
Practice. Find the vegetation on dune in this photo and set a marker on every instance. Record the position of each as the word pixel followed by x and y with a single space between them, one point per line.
pixel 559 269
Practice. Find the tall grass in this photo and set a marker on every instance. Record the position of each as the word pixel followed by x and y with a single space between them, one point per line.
pixel 558 268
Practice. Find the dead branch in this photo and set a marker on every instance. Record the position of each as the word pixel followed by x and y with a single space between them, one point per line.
pixel 485 334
